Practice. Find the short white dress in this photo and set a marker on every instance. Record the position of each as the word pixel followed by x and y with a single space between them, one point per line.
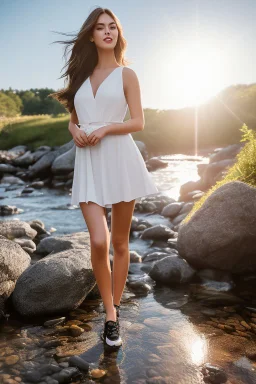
pixel 113 170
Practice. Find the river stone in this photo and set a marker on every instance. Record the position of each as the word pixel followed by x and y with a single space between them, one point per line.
pixel 45 162
pixel 222 233
pixel 65 162
pixel 172 210
pixel 54 244
pixel 12 229
pixel 13 262
pixel 212 171
pixel 228 152
pixel 171 269
pixel 157 232
pixel 55 284
pixel 12 180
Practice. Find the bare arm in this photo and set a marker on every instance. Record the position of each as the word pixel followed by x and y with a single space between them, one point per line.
pixel 133 98
pixel 79 136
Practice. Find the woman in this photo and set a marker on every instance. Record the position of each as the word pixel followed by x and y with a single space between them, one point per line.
pixel 109 168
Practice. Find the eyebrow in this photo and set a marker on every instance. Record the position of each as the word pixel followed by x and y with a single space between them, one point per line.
pixel 112 22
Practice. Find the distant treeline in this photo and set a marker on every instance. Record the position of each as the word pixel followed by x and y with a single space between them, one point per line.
pixel 214 123
pixel 34 101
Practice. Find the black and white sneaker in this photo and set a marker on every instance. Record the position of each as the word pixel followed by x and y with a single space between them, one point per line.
pixel 111 333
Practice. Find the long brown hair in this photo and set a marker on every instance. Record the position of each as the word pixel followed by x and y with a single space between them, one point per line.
pixel 84 57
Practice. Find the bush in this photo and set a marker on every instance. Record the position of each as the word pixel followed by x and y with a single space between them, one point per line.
pixel 243 170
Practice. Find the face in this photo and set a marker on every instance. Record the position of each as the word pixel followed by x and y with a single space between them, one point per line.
pixel 105 27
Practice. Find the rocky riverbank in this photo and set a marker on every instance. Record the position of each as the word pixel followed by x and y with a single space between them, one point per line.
pixel 205 269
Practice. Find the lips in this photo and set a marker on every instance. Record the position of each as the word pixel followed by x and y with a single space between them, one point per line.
pixel 108 39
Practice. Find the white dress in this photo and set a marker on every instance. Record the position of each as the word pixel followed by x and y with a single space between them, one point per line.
pixel 113 170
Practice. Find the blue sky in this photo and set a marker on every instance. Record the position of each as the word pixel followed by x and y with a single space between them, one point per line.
pixel 183 51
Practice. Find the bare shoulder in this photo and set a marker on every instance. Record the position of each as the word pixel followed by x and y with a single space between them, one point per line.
pixel 129 73
pixel 130 79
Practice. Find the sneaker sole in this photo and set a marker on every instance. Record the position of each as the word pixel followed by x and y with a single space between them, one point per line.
pixel 112 343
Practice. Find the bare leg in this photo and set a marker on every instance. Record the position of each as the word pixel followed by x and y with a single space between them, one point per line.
pixel 96 222
pixel 120 230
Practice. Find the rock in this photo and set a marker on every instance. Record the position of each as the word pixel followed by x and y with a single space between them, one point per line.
pixel 157 232
pixel 222 233
pixel 13 262
pixel 54 244
pixel 12 229
pixel 178 219
pixel 186 208
pixel 172 210
pixel 155 163
pixel 7 168
pixel 55 284
pixel 228 152
pixel 13 180
pixel 77 361
pixel 189 187
pixel 171 270
pixel 212 171
pixel 64 163
pixel 135 257
pixel 19 150
pixel 44 164
pixel 6 210
pixel 26 244
pixel 213 374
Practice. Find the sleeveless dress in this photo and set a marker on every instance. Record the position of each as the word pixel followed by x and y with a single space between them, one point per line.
pixel 113 170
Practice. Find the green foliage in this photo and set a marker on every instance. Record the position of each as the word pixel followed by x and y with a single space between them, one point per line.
pixel 243 170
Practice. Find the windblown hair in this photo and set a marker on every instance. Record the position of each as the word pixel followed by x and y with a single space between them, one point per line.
pixel 84 57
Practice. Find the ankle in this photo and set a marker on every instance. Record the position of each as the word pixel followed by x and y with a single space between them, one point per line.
pixel 111 314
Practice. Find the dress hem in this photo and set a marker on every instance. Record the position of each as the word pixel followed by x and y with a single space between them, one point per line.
pixel 110 204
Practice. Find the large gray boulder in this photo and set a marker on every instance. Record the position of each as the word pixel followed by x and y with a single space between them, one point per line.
pixel 13 262
pixel 222 233
pixel 55 284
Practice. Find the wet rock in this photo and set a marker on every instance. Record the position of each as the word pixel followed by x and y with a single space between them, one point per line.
pixel 66 374
pixel 98 373
pixel 188 187
pixel 77 361
pixel 211 173
pixel 228 240
pixel 155 256
pixel 6 210
pixel 39 290
pixel 213 374
pixel 157 232
pixel 12 180
pixel 135 257
pixel 171 270
pixel 155 163
pixel 7 168
pixel 172 210
pixel 139 286
pixel 12 359
pixel 50 323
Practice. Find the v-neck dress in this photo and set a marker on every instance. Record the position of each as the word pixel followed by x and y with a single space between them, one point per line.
pixel 113 170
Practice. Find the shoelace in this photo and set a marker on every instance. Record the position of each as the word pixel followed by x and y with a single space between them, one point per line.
pixel 112 328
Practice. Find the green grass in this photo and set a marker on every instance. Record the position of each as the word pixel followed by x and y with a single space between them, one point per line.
pixel 34 131
pixel 243 170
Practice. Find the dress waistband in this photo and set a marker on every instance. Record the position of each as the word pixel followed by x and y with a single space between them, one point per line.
pixel 85 126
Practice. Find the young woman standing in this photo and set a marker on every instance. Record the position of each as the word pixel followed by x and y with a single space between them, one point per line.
pixel 109 168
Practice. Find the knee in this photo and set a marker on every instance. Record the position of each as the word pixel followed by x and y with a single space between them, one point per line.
pixel 99 244
pixel 120 245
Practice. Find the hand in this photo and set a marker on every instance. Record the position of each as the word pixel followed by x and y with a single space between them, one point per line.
pixel 79 137
pixel 96 135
